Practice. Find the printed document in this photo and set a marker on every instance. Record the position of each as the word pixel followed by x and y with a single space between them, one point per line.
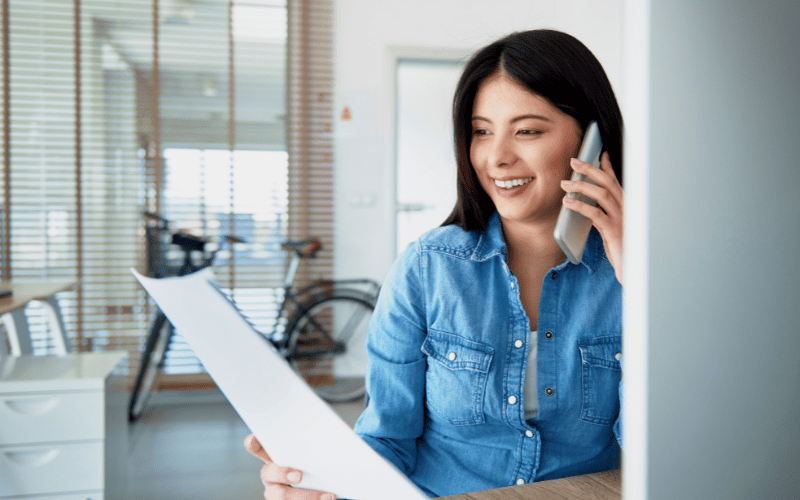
pixel 295 426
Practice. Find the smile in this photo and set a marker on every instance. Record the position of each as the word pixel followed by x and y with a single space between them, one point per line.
pixel 512 183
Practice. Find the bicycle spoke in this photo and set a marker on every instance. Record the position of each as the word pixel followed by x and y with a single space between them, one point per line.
pixel 350 327
pixel 334 329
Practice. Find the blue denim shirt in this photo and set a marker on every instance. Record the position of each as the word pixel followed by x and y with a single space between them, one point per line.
pixel 446 370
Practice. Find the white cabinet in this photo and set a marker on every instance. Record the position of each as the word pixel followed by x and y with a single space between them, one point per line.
pixel 63 425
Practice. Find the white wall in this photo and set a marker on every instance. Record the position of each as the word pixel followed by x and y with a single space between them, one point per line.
pixel 721 295
pixel 368 33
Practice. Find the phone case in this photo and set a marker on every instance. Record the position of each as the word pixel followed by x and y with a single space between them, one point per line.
pixel 572 228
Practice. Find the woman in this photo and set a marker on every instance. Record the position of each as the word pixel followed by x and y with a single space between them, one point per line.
pixel 493 360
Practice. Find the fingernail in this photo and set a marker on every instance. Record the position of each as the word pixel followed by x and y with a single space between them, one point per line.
pixel 293 477
pixel 566 183
pixel 576 163
pixel 567 199
pixel 328 496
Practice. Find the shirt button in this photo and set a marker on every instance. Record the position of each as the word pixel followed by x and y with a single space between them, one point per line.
pixel 520 481
pixel 512 285
pixel 512 400
pixel 548 335
pixel 529 434
pixel 519 344
pixel 553 275
pixel 618 356
pixel 549 391
pixel 452 356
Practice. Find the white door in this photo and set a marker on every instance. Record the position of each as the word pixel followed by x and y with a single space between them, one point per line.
pixel 425 160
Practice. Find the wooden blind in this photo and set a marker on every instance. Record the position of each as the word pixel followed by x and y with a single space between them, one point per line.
pixel 309 128
pixel 181 107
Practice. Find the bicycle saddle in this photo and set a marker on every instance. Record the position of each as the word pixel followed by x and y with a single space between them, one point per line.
pixel 188 242
pixel 304 248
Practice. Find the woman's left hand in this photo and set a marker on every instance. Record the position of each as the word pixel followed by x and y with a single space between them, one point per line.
pixel 607 215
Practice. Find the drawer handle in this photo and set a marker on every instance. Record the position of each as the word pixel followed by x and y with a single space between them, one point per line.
pixel 31 458
pixel 32 406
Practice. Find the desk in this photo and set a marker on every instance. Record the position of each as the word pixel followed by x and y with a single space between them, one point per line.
pixel 12 310
pixel 599 486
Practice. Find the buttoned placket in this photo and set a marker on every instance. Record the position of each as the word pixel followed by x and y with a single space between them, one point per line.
pixel 548 342
pixel 529 441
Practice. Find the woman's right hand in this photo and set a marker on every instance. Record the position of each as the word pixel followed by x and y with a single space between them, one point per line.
pixel 278 480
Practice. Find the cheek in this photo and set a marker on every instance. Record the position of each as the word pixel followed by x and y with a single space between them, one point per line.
pixel 475 156
pixel 557 160
pixel 570 151
pixel 566 171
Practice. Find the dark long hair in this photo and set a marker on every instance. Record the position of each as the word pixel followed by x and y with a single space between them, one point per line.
pixel 558 67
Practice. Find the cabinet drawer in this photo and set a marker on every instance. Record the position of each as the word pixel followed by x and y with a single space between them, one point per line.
pixel 38 470
pixel 42 418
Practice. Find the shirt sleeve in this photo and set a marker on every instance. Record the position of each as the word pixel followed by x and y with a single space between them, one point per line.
pixel 393 420
pixel 618 422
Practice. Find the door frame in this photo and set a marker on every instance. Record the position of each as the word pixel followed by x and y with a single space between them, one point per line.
pixel 395 55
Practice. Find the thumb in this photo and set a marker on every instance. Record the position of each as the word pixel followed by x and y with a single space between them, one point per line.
pixel 252 445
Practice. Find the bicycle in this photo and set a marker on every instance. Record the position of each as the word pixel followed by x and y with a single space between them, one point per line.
pixel 324 321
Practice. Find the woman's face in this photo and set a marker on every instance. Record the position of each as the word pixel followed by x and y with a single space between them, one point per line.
pixel 520 149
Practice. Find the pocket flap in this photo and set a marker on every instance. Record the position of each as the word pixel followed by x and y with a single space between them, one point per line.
pixel 457 353
pixel 604 352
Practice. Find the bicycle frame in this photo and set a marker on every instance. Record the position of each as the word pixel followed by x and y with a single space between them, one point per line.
pixel 290 296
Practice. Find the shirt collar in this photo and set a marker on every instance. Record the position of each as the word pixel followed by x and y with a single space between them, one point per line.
pixel 491 243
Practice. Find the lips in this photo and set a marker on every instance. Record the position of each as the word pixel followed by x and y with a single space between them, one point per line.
pixel 511 183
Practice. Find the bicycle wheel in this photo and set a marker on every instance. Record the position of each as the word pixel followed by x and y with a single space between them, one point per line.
pixel 327 343
pixel 152 358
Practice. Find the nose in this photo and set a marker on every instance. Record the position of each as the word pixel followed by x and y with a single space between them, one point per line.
pixel 501 152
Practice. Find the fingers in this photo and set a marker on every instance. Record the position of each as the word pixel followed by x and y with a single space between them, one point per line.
pixel 283 492
pixel 252 445
pixel 271 473
pixel 607 216
pixel 604 177
pixel 277 480
pixel 607 193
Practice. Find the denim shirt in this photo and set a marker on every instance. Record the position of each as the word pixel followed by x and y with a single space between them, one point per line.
pixel 448 349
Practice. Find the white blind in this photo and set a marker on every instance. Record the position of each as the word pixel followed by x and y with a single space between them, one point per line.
pixel 72 170
pixel 180 107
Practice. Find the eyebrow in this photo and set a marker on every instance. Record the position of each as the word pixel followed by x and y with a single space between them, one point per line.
pixel 517 118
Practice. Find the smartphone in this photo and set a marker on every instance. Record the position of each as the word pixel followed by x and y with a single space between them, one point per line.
pixel 572 228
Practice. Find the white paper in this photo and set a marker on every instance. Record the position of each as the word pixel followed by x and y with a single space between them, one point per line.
pixel 295 426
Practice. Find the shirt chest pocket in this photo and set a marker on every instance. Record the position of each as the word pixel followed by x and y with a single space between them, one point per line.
pixel 601 373
pixel 455 382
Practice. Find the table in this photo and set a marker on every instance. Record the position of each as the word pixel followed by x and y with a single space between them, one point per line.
pixel 12 310
pixel 598 486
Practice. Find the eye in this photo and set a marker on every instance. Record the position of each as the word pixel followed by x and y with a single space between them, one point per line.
pixel 530 132
pixel 480 131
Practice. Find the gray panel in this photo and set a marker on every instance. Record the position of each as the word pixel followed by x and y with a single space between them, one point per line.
pixel 724 392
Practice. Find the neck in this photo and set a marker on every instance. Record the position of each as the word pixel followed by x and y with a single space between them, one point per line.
pixel 532 242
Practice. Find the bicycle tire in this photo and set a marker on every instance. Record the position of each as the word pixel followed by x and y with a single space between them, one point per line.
pixel 155 347
pixel 346 313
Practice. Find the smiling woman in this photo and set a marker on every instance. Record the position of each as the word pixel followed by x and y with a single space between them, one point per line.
pixel 493 360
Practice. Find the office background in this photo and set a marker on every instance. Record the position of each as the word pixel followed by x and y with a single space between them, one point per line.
pixel 708 90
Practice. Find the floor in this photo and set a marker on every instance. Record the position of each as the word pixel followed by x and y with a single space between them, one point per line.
pixel 189 446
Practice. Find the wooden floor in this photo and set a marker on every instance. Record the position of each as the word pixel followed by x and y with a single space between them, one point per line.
pixel 189 446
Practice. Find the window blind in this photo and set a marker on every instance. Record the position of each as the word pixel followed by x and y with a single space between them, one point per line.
pixel 180 107
pixel 309 128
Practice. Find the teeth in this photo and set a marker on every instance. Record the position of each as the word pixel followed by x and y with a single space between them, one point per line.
pixel 513 183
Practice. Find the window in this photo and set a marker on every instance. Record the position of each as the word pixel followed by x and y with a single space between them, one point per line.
pixel 180 107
